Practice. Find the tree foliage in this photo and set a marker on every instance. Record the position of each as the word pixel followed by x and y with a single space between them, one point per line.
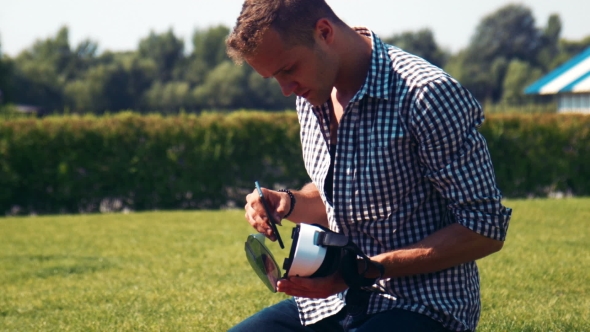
pixel 421 43
pixel 209 45
pixel 510 32
pixel 507 52
pixel 5 75
pixel 519 75
pixel 165 49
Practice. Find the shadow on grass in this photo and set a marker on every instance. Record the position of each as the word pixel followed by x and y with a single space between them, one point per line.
pixel 47 266
pixel 66 270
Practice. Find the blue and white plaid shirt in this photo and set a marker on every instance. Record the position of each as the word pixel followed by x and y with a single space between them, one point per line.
pixel 409 161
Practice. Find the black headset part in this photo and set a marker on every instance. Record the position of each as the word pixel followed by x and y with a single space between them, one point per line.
pixel 341 254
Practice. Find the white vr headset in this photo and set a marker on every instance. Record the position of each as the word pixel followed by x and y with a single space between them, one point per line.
pixel 315 252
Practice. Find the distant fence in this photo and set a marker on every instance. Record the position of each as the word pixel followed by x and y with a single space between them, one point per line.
pixel 128 161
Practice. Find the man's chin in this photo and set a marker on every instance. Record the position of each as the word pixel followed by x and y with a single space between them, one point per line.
pixel 316 101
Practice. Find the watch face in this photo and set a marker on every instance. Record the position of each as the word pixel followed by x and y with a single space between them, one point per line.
pixel 262 261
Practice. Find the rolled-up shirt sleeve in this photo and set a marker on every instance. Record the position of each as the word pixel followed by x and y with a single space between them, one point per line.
pixel 454 156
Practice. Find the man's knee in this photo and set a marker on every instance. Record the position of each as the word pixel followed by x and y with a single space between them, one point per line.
pixel 282 316
pixel 402 320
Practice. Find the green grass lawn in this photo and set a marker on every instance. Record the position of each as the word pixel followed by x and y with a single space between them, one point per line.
pixel 186 271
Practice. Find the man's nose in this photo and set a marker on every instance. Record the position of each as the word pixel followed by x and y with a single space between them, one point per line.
pixel 287 87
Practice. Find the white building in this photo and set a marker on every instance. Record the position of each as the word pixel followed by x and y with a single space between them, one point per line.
pixel 570 82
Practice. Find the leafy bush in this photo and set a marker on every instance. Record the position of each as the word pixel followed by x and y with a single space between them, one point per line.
pixel 85 164
pixel 535 155
pixel 70 164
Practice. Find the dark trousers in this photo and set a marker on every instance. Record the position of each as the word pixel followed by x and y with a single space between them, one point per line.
pixel 284 316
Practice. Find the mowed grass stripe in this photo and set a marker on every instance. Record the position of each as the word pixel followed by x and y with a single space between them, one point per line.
pixel 167 271
pixel 540 281
pixel 186 271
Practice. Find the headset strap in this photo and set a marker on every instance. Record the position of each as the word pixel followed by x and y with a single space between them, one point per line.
pixel 354 278
pixel 331 239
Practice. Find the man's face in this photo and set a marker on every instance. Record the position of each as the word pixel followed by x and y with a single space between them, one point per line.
pixel 306 71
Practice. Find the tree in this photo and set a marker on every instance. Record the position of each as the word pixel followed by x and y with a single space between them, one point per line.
pixel 209 45
pixel 550 42
pixel 420 43
pixel 84 56
pixel 55 51
pixel 503 36
pixel 484 80
pixel 116 82
pixel 573 47
pixel 509 32
pixel 191 70
pixel 569 49
pixel 104 88
pixel 224 88
pixel 229 86
pixel 208 52
pixel 141 74
pixel 518 76
pixel 41 72
pixel 5 76
pixel 169 97
pixel 165 49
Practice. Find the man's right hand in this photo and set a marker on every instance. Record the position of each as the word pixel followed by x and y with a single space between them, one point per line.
pixel 278 203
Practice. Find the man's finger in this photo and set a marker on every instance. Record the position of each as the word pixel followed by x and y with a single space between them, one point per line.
pixel 292 290
pixel 308 283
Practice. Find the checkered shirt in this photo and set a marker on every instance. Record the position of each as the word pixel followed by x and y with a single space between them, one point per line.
pixel 409 161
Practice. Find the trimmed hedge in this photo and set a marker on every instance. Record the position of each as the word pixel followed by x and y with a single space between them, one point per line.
pixel 72 164
pixel 536 155
pixel 78 164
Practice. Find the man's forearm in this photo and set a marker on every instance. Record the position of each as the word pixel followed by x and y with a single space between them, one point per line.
pixel 310 208
pixel 448 247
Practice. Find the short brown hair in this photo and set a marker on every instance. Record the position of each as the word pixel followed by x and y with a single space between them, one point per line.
pixel 294 20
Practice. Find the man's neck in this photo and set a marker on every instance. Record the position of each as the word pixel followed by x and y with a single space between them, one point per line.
pixel 355 60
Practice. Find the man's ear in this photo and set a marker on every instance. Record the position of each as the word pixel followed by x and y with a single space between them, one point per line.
pixel 324 30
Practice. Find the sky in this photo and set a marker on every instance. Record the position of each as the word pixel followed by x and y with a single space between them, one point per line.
pixel 118 25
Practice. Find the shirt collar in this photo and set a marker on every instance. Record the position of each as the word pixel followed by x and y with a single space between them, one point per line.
pixel 377 83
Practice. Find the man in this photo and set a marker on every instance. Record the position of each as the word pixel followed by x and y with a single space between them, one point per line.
pixel 396 162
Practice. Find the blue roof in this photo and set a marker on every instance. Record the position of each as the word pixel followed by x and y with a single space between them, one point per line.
pixel 571 77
